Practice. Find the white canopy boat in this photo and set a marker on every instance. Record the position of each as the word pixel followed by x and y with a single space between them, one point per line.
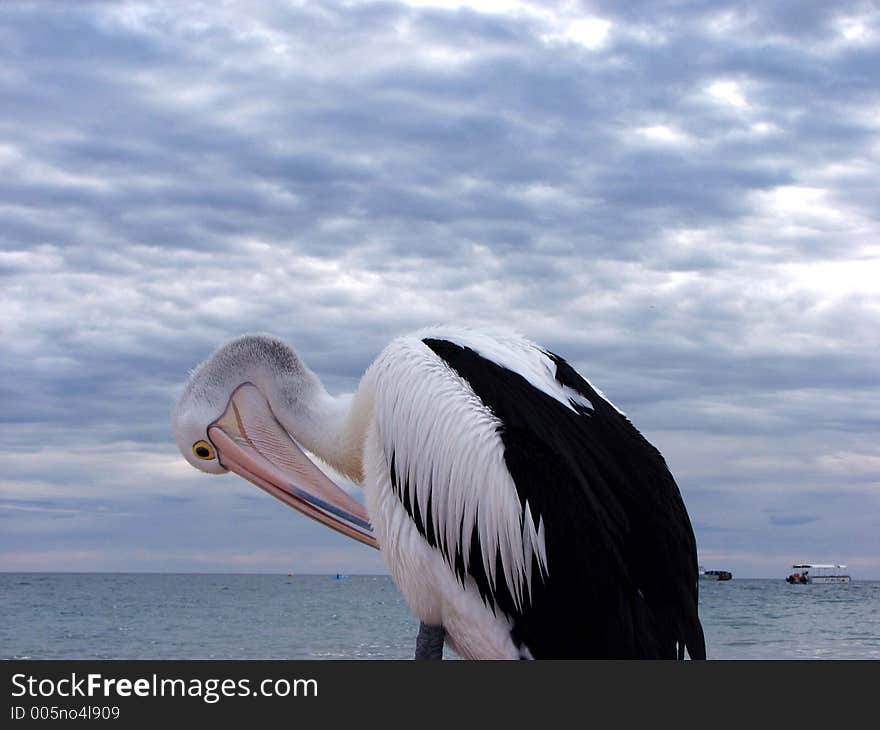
pixel 804 573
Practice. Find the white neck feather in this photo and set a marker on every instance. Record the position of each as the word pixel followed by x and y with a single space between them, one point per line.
pixel 332 428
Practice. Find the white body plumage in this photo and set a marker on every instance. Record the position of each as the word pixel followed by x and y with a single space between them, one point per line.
pixel 446 442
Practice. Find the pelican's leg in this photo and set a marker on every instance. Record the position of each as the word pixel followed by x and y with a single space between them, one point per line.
pixel 429 643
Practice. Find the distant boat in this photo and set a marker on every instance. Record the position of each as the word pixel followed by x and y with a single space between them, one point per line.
pixel 715 574
pixel 339 576
pixel 821 573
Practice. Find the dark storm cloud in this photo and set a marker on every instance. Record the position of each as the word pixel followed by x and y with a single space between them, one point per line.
pixel 680 198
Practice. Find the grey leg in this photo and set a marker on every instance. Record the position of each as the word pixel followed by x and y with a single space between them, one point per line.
pixel 429 643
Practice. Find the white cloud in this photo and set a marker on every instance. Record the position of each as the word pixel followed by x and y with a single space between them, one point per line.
pixel 591 33
pixel 664 134
pixel 858 30
pixel 728 92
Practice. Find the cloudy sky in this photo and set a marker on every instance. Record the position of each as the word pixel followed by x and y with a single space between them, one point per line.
pixel 680 198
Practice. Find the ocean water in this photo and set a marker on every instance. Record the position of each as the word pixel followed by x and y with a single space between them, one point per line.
pixel 217 616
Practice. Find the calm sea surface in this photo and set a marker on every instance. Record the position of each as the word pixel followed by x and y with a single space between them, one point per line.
pixel 153 616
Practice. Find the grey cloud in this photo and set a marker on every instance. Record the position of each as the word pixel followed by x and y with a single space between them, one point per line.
pixel 171 176
pixel 793 519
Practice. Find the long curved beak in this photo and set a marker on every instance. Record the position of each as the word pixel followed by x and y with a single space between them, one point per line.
pixel 252 443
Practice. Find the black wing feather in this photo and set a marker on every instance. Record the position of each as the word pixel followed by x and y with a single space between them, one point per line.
pixel 622 564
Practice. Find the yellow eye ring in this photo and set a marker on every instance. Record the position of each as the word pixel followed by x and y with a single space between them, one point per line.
pixel 203 450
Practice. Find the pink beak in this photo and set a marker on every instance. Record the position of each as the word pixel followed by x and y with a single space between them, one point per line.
pixel 252 443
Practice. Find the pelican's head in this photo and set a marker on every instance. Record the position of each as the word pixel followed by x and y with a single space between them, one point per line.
pixel 264 361
pixel 229 418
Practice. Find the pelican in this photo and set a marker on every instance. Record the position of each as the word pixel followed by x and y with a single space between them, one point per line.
pixel 521 515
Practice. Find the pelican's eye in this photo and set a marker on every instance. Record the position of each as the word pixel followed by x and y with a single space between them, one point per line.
pixel 203 450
